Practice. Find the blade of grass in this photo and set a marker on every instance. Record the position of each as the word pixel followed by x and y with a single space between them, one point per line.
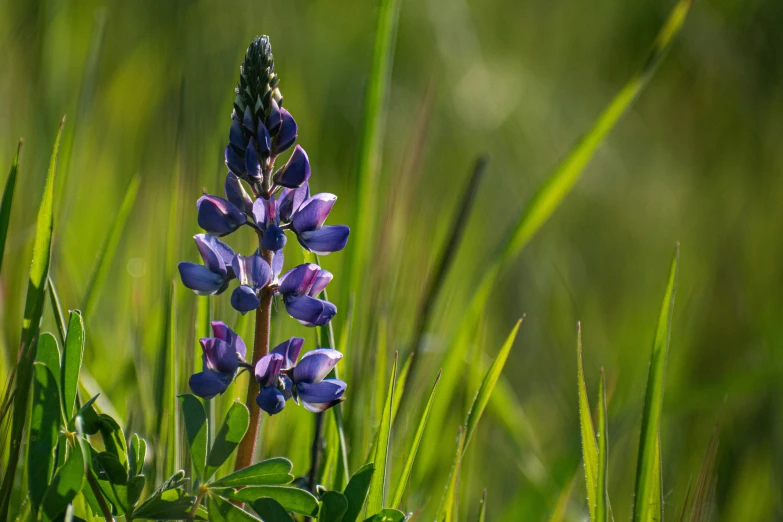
pixel 589 445
pixel 648 465
pixel 8 199
pixel 172 406
pixel 109 247
pixel 700 507
pixel 559 513
pixel 602 497
pixel 33 310
pixel 482 516
pixel 371 145
pixel 376 495
pixel 448 508
pixel 414 447
pixel 57 310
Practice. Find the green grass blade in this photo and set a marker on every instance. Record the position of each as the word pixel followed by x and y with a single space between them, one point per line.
pixel 648 464
pixel 488 385
pixel 448 504
pixel 705 486
pixel 73 353
pixel 376 495
pixel 109 247
pixel 589 444
pixel 172 408
pixel 8 198
pixel 561 505
pixel 371 146
pixel 483 507
pixel 402 380
pixel 57 310
pixel 602 496
pixel 408 466
pixel 33 310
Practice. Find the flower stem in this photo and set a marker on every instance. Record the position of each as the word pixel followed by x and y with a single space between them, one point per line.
pixel 247 447
pixel 194 510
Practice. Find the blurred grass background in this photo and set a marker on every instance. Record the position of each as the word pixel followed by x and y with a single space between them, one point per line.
pixel 148 86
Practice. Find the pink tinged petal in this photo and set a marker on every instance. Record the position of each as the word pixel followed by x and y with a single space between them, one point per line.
pixel 268 369
pixel 207 384
pixel 313 212
pixel 322 392
pixel 321 280
pixel 212 260
pixel 200 279
pixel 299 279
pixel 271 400
pixel 325 240
pixel 290 350
pixel 296 171
pixel 291 200
pixel 315 365
pixel 223 332
pixel 225 252
pixel 220 356
pixel 259 213
pixel 252 164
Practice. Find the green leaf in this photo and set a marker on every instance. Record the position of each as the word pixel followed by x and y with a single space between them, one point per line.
pixel 171 504
pixel 402 379
pixel 488 384
pixel 271 511
pixel 196 431
pixel 414 448
pixel 228 438
pixel 73 353
pixel 109 468
pixel 292 499
pixel 223 511
pixel 44 427
pixel 447 512
pixel 136 455
pixel 371 146
pixel 33 310
pixel 48 354
pixel 589 445
pixel 67 482
pixel 376 496
pixel 482 516
pixel 356 491
pixel 91 422
pixel 333 507
pixel 8 198
pixel 270 472
pixel 602 495
pixel 109 247
pixel 647 500
pixel 387 515
pixel 113 439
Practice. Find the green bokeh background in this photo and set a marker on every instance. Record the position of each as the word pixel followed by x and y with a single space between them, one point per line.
pixel 148 87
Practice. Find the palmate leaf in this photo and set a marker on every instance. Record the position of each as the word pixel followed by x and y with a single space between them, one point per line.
pixel 196 431
pixel 376 495
pixel 333 507
pixel 67 482
pixel 271 472
pixel 291 498
pixel 8 198
pixel 228 438
pixel 271 511
pixel 44 427
pixel 33 310
pixel 224 511
pixel 647 500
pixel 589 444
pixel 73 353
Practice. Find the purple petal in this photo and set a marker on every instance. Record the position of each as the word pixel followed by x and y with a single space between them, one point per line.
pixel 287 134
pixel 291 200
pixel 252 165
pixel 268 368
pixel 207 384
pixel 315 365
pixel 223 250
pixel 199 279
pixel 277 264
pixel 299 279
pixel 235 136
pixel 252 271
pixel 265 212
pixel 223 332
pixel 234 161
pixel 275 117
pixel 271 400
pixel 236 194
pixel 244 299
pixel 321 407
pixel 274 238
pixel 218 216
pixel 290 350
pixel 322 392
pixel 296 171
pixel 247 120
pixel 323 278
pixel 325 240
pixel 213 261
pixel 220 356
pixel 264 140
pixel 313 212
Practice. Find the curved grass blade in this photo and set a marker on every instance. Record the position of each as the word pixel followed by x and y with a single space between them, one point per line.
pixel 376 495
pixel 483 507
pixel 589 444
pixel 705 486
pixel 8 199
pixel 73 353
pixel 33 310
pixel 553 190
pixel 57 310
pixel 371 146
pixel 408 466
pixel 648 466
pixel 602 495
pixel 109 247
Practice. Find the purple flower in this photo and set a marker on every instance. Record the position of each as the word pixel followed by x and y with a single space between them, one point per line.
pixel 267 217
pixel 213 276
pixel 290 200
pixel 299 288
pixel 221 357
pixel 285 136
pixel 253 274
pixel 308 223
pixel 295 172
pixel 281 378
pixel 219 216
